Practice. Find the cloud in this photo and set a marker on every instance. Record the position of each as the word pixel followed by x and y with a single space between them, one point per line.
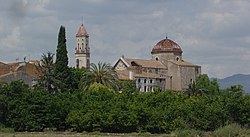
pixel 18 9
pixel 214 34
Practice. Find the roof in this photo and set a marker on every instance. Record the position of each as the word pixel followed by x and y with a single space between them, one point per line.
pixel 146 63
pixel 82 31
pixel 183 63
pixel 166 45
pixel 124 75
pixel 148 75
pixel 19 66
pixel 1 63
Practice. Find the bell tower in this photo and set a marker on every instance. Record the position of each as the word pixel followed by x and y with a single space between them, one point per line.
pixel 82 50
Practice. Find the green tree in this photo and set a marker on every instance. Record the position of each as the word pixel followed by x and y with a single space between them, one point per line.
pixel 61 65
pixel 46 72
pixel 102 73
pixel 194 90
pixel 75 75
pixel 203 82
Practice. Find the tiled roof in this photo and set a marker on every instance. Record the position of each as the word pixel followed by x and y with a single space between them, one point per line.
pixel 19 66
pixel 124 75
pixel 166 45
pixel 183 63
pixel 148 75
pixel 82 31
pixel 1 63
pixel 146 63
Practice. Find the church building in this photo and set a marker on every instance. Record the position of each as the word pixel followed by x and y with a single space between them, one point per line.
pixel 82 50
pixel 166 70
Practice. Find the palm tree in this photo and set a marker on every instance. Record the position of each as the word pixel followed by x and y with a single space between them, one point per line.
pixel 194 90
pixel 102 73
pixel 46 72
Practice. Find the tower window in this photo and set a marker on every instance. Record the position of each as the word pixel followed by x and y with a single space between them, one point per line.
pixel 77 63
pixel 88 63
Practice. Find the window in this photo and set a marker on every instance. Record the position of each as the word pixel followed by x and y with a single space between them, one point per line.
pixel 77 63
pixel 156 71
pixel 151 81
pixel 145 80
pixel 150 71
pixel 145 88
pixel 88 63
pixel 139 80
pixel 177 58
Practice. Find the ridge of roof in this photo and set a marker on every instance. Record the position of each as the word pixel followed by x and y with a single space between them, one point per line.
pixel 183 63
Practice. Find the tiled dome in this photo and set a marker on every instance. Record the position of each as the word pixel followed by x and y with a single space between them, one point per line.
pixel 166 45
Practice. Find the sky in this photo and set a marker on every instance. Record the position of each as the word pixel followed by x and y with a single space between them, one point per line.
pixel 214 34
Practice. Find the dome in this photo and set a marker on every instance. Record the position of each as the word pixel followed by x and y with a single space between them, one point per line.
pixel 82 31
pixel 166 45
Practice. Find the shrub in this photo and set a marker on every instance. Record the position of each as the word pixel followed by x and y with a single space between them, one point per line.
pixel 231 130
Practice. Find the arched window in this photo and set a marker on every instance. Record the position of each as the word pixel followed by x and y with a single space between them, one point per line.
pixel 177 58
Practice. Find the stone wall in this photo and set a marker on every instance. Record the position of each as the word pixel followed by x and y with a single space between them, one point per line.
pixel 27 79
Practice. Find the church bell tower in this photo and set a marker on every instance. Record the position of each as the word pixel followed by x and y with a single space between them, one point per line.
pixel 82 50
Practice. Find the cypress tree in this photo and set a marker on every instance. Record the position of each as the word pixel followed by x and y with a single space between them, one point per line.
pixel 61 64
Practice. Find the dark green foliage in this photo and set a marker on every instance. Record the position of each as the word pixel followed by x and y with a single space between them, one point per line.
pixel 102 109
pixel 102 73
pixel 75 77
pixel 46 70
pixel 62 72
pixel 202 86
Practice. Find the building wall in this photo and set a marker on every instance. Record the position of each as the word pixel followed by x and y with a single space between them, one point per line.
pixel 149 84
pixel 164 57
pixel 189 75
pixel 174 72
pixel 120 66
pixel 26 78
pixel 82 52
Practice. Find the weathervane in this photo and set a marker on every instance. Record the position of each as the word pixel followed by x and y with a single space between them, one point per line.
pixel 82 19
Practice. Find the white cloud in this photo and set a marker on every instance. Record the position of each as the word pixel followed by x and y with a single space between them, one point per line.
pixel 214 34
pixel 12 41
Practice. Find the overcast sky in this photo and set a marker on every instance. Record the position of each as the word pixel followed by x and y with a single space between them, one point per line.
pixel 214 34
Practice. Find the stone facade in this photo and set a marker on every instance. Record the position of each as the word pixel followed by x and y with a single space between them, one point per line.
pixel 82 50
pixel 25 71
pixel 166 70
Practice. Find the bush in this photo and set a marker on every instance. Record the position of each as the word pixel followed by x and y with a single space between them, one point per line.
pixel 188 133
pixel 4 129
pixel 231 130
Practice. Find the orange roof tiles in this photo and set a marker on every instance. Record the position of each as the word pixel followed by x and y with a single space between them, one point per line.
pixel 146 63
pixel 166 45
pixel 82 31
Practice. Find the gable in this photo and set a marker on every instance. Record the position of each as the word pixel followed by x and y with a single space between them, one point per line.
pixel 120 65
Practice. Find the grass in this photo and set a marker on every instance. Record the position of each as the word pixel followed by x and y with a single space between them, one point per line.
pixel 232 130
pixel 64 134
